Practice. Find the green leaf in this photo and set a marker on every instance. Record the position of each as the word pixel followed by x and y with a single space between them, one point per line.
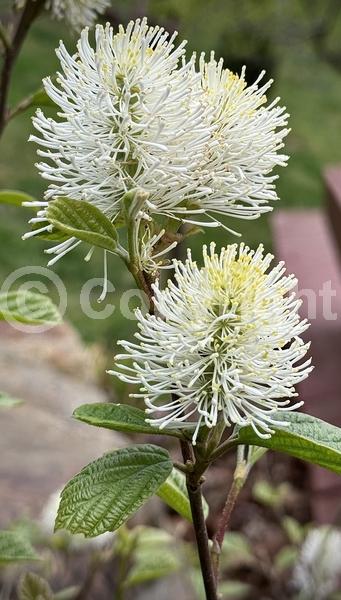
pixel 14 197
pixel 286 558
pixel 155 556
pixel 50 236
pixel 294 530
pixel 82 220
pixel 110 489
pixel 269 495
pixel 33 587
pixel 236 551
pixel 120 417
pixel 305 437
pixel 174 493
pixel 153 565
pixel 15 548
pixel 28 307
pixel 7 401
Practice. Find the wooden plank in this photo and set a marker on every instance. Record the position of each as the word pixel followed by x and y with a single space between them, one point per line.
pixel 332 179
pixel 303 239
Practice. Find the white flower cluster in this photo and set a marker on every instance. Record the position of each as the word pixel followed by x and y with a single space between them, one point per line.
pixel 78 13
pixel 225 341
pixel 195 141
pixel 134 113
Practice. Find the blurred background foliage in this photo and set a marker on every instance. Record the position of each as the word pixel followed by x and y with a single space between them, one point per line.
pixel 298 42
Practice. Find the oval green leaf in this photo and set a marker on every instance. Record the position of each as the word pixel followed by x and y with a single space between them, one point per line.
pixel 155 555
pixel 120 417
pixel 82 220
pixel 50 236
pixel 112 488
pixel 304 437
pixel 14 197
pixel 174 493
pixel 29 308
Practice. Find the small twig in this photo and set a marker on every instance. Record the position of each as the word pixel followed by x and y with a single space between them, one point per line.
pixel 214 437
pixel 19 108
pixel 183 468
pixel 12 48
pixel 199 522
pixel 239 478
pixel 226 446
pixel 4 37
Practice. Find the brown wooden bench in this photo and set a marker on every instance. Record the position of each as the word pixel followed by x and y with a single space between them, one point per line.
pixel 306 240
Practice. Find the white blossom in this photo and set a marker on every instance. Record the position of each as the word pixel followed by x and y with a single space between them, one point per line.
pixel 135 114
pixel 150 258
pixel 249 136
pixel 225 341
pixel 131 117
pixel 77 13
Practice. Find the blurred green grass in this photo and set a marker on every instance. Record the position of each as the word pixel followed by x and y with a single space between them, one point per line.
pixel 311 91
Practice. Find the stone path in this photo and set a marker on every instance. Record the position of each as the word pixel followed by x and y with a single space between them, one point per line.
pixel 41 446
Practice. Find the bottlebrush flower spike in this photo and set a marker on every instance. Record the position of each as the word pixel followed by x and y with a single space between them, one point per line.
pixel 225 341
pixel 132 116
pixel 249 137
